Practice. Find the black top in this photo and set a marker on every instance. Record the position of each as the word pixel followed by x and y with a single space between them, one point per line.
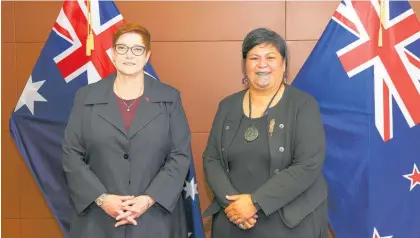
pixel 249 162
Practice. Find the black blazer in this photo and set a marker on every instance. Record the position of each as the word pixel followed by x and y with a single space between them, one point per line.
pixel 297 148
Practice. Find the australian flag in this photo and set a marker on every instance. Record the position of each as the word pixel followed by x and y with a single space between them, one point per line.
pixel 40 117
pixel 365 73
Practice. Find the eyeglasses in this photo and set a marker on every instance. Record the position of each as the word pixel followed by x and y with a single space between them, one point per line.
pixel 136 50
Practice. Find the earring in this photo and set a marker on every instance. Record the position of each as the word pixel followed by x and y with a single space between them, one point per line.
pixel 245 79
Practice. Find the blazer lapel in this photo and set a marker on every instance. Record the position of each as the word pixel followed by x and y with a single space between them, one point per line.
pixel 106 103
pixel 149 108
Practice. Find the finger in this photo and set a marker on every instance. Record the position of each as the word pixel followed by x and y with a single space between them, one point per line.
pixel 247 224
pixel 117 213
pixel 132 220
pixel 129 202
pixel 231 213
pixel 241 226
pixel 232 197
pixel 120 223
pixel 233 219
pixel 124 215
pixel 124 198
pixel 237 219
pixel 133 209
pixel 251 221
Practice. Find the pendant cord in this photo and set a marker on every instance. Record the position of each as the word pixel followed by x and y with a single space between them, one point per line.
pixel 251 133
pixel 268 106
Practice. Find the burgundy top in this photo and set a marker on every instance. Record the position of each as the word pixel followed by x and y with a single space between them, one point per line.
pixel 128 115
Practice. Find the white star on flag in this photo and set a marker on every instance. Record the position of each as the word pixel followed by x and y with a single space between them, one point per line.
pixel 30 95
pixel 189 234
pixel 190 189
pixel 414 177
pixel 376 234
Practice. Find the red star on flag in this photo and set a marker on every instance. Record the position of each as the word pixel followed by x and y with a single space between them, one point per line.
pixel 376 234
pixel 414 177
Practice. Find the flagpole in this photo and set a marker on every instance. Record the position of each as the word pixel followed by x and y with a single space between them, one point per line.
pixel 89 40
pixel 381 21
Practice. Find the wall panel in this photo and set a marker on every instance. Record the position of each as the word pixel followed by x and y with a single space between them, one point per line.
pixel 204 21
pixel 8 83
pixel 7 22
pixel 34 20
pixel 204 72
pixel 10 189
pixel 306 20
pixel 298 53
pixel 11 228
pixel 40 228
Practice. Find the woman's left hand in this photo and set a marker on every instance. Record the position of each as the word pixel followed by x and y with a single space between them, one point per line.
pixel 241 209
pixel 134 208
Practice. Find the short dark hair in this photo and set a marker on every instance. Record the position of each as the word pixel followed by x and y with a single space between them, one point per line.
pixel 265 36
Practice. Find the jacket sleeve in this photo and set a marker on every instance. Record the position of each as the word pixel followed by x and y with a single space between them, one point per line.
pixel 167 185
pixel 84 186
pixel 306 167
pixel 215 172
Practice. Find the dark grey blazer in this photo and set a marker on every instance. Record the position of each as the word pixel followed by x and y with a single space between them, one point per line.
pixel 152 158
pixel 297 148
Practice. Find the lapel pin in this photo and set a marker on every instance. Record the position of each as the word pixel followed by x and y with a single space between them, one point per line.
pixel 271 126
pixel 147 99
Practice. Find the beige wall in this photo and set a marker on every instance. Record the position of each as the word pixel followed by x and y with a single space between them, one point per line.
pixel 196 47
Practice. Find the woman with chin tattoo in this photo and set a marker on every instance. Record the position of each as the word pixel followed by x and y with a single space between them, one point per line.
pixel 265 153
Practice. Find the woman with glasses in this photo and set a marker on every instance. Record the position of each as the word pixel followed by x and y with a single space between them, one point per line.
pixel 126 151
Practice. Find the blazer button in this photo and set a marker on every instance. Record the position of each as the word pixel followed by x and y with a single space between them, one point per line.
pixel 227 170
pixel 227 128
pixel 125 156
pixel 276 171
pixel 281 149
pixel 281 126
pixel 223 149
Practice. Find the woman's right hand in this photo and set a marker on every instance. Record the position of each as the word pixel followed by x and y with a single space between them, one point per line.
pixel 112 204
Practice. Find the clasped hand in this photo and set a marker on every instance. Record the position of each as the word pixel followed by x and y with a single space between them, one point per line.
pixel 125 209
pixel 241 211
